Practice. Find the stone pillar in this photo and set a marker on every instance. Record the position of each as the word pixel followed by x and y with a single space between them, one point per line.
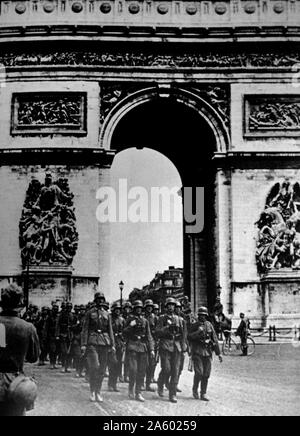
pixel 201 285
pixel 223 204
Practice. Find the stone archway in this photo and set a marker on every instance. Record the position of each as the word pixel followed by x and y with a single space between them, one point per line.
pixel 187 97
pixel 206 134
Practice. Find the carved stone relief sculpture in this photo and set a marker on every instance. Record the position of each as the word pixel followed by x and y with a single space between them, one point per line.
pixel 278 243
pixel 273 116
pixel 46 113
pixel 48 232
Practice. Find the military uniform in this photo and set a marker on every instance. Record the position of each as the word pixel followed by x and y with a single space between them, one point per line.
pixel 182 357
pixel 139 342
pixel 53 343
pixel 64 325
pixel 126 313
pixel 152 320
pixel 115 362
pixel 203 341
pixel 41 328
pixel 97 335
pixel 75 352
pixel 170 331
pixel 19 341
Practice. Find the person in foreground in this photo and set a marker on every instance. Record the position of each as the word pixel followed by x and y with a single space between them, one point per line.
pixel 203 341
pixel 18 342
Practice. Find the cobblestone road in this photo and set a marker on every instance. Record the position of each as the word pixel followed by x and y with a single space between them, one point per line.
pixel 267 383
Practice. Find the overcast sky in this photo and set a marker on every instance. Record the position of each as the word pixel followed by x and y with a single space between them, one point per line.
pixel 139 250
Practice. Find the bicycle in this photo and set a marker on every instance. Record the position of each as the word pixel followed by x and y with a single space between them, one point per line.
pixel 233 347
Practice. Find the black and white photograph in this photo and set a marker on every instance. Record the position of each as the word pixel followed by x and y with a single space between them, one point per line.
pixel 149 211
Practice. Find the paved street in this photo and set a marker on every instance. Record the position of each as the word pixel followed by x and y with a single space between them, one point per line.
pixel 267 383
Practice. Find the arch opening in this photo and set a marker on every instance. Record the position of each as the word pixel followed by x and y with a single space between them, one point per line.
pixel 173 129
pixel 180 133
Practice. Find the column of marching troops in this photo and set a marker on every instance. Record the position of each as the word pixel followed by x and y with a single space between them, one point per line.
pixel 129 342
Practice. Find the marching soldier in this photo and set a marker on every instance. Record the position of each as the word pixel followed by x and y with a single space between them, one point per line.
pixel 152 320
pixel 115 363
pixel 170 331
pixel 97 339
pixel 41 328
pixel 139 342
pixel 204 341
pixel 75 352
pixel 156 310
pixel 53 343
pixel 127 310
pixel 63 333
pixel 178 312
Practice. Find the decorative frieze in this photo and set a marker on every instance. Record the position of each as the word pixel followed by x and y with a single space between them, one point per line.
pixel 272 116
pixel 153 60
pixel 49 113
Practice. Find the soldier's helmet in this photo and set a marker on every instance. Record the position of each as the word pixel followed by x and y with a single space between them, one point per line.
pixel 155 306
pixel 148 302
pixel 128 304
pixel 203 311
pixel 115 306
pixel 11 297
pixel 69 304
pixel 45 309
pixel 137 303
pixel 99 295
pixel 170 300
pixel 82 307
pixel 22 391
pixel 178 304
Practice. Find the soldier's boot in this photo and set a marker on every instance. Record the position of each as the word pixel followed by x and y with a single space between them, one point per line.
pixel 93 397
pixel 204 383
pixel 173 399
pixel 160 390
pixel 99 397
pixel 196 387
pixel 149 388
pixel 139 398
pixel 130 394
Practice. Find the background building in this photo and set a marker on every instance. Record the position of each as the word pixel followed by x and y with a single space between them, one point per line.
pixel 169 283
pixel 82 80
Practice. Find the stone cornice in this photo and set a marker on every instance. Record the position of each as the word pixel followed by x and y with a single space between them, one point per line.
pixel 154 18
pixel 256 160
pixel 56 156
